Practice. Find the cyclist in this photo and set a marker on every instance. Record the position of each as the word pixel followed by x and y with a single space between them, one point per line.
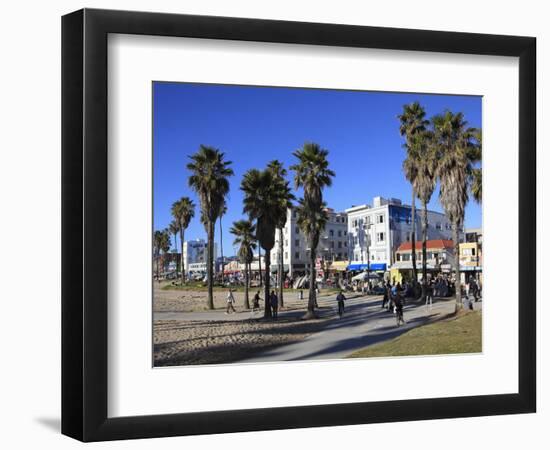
pixel 340 298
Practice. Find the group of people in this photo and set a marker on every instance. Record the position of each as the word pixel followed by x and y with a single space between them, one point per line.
pixel 472 289
pixel 273 302
pixel 393 299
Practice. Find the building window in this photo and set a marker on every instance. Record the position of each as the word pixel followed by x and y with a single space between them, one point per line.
pixel 405 257
pixel 380 237
pixel 345 233
pixel 297 243
pixel 380 218
pixel 339 233
pixel 297 230
pixel 339 244
pixel 286 255
pixel 438 225
pixel 297 255
pixel 331 232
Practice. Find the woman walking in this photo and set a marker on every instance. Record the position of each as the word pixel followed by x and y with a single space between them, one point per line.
pixel 230 302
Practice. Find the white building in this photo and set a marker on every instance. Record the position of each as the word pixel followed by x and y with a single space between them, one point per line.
pixel 195 254
pixel 375 232
pixel 333 243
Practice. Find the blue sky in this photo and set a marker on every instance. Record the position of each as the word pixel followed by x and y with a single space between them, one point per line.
pixel 254 125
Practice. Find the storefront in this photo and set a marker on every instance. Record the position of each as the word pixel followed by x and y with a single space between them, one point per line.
pixel 377 267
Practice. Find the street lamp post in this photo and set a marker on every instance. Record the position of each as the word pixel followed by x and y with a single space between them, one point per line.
pixel 368 256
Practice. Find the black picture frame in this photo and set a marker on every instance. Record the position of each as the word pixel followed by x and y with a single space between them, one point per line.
pixel 84 224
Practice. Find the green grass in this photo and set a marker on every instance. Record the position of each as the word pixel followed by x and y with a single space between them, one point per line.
pixel 457 335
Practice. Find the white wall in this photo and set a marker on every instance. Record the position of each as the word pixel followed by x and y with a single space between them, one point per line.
pixel 30 196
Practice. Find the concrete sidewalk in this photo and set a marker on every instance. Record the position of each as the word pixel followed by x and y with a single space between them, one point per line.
pixel 364 323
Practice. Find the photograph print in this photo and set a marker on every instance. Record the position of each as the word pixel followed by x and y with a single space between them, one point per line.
pixel 300 224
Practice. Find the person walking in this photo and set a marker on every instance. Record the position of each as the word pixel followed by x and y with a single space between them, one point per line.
pixel 387 291
pixel 230 302
pixel 429 294
pixel 341 299
pixel 256 302
pixel 399 309
pixel 274 301
pixel 474 288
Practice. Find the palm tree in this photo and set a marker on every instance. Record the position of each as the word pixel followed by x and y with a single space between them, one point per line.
pixel 476 184
pixel 280 173
pixel 423 152
pixel 260 263
pixel 264 202
pixel 183 210
pixel 412 121
pixel 223 211
pixel 474 155
pixel 313 175
pixel 311 220
pixel 455 144
pixel 174 231
pixel 157 247
pixel 245 239
pixel 165 246
pixel 161 245
pixel 209 179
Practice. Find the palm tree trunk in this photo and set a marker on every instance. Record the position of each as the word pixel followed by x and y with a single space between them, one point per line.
pixel 210 262
pixel 182 264
pixel 458 289
pixel 221 248
pixel 260 264
pixel 267 309
pixel 176 251
pixel 312 295
pixel 158 260
pixel 246 281
pixel 424 252
pixel 413 239
pixel 281 269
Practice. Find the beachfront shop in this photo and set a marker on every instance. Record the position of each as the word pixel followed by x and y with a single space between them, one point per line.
pixel 402 271
pixel 377 268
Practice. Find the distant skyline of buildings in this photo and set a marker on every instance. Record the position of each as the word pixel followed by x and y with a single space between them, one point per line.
pixel 362 234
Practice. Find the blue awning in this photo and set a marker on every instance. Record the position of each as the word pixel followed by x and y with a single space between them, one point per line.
pixel 379 266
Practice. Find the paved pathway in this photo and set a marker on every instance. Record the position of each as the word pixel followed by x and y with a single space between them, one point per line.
pixel 364 323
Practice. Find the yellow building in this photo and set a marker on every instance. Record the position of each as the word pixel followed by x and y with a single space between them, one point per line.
pixel 471 255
